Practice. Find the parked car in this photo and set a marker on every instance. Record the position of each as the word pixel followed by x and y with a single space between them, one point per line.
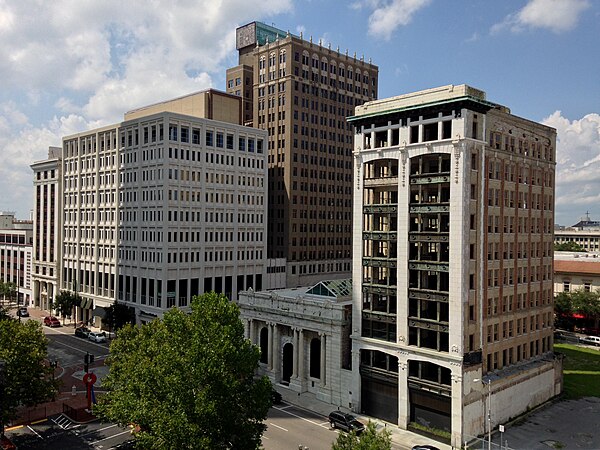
pixel 51 321
pixel 591 340
pixel 82 332
pixel 22 312
pixel 97 336
pixel 425 447
pixel 346 422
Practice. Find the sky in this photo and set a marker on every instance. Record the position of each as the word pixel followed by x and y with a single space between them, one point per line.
pixel 71 65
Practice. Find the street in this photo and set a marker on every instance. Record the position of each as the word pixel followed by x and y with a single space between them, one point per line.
pixel 289 427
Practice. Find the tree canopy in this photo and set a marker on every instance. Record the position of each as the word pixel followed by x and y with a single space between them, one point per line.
pixel 27 379
pixel 8 291
pixel 188 380
pixel 586 303
pixel 370 439
pixel 118 315
pixel 64 303
pixel 568 247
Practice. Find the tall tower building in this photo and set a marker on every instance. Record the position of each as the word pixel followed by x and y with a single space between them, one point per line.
pixel 301 92
pixel 168 204
pixel 46 232
pixel 452 270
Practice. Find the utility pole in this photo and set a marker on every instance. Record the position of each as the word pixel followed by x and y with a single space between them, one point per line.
pixel 489 408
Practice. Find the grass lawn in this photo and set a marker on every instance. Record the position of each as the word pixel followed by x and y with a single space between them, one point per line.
pixel 581 369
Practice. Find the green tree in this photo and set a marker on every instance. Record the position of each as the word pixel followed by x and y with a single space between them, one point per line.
pixel 8 291
pixel 27 379
pixel 188 380
pixel 582 302
pixel 64 303
pixel 118 315
pixel 563 309
pixel 370 439
pixel 568 247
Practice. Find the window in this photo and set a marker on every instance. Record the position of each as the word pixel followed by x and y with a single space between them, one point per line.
pixel 587 287
pixel 220 140
pixel 566 286
pixel 209 139
pixel 230 141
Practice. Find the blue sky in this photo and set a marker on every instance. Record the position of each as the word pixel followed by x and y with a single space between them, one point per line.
pixel 71 65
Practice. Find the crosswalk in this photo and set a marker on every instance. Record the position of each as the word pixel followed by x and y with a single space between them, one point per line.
pixel 65 422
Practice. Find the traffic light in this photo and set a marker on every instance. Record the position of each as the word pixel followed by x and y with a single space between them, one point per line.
pixel 87 360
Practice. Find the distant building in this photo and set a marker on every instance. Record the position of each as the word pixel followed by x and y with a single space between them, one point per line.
pixel 453 253
pixel 587 238
pixel 576 271
pixel 168 204
pixel 301 92
pixel 16 245
pixel 304 337
pixel 47 217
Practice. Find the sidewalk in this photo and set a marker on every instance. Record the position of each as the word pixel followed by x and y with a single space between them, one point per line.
pixel 400 438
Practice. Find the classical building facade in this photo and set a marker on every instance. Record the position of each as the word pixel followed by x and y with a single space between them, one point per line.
pixel 168 204
pixel 304 337
pixel 453 250
pixel 301 92
pixel 16 247
pixel 47 216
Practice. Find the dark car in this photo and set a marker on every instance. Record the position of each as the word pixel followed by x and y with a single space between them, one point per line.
pixel 425 447
pixel 346 422
pixel 82 332
pixel 22 312
pixel 51 321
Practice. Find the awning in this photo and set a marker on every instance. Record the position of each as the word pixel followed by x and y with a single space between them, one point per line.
pixel 99 312
pixel 86 303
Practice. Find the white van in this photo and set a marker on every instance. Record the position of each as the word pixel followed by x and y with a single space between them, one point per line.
pixel 591 340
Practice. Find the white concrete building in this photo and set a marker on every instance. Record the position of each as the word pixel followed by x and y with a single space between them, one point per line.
pixel 16 247
pixel 453 220
pixel 47 216
pixel 166 205
pixel 304 337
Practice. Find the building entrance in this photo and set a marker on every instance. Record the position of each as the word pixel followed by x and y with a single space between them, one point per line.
pixel 288 363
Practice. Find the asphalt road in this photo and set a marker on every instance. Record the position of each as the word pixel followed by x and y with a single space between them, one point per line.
pixel 289 427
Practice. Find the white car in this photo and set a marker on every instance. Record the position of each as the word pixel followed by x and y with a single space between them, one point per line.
pixel 97 337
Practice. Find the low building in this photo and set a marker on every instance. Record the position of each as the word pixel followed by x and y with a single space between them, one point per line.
pixel 576 270
pixel 304 337
pixel 16 248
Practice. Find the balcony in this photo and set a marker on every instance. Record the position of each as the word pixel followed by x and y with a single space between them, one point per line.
pixel 379 262
pixel 380 235
pixel 381 182
pixel 381 208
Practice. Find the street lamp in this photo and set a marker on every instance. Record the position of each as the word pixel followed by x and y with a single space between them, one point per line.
pixel 489 408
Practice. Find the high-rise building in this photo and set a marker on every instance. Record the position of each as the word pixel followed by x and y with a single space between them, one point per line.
pixel 453 250
pixel 46 219
pixel 168 204
pixel 16 245
pixel 301 92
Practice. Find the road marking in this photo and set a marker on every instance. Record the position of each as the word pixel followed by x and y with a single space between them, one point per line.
pixel 35 432
pixel 100 429
pixel 300 417
pixel 277 426
pixel 16 427
pixel 110 437
pixel 39 421
pixel 283 407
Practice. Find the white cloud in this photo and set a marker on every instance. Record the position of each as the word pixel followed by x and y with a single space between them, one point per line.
pixel 577 166
pixel 555 15
pixel 388 15
pixel 69 65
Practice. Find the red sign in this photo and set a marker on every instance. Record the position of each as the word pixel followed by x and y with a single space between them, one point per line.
pixel 90 378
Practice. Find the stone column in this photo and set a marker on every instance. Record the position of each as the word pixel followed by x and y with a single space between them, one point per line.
pixel 301 355
pixel 252 331
pixel 270 346
pixel 295 358
pixel 247 328
pixel 276 352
